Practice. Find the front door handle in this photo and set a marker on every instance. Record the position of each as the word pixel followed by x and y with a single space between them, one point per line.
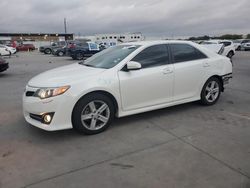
pixel 167 70
pixel 206 64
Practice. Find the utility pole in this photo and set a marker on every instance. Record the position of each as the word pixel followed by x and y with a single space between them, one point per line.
pixel 65 26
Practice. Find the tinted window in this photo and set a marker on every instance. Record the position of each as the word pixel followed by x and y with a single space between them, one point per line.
pixel 185 52
pixel 93 46
pixel 226 43
pixel 153 56
pixel 245 41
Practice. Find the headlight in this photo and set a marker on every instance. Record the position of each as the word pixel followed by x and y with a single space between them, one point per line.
pixel 44 93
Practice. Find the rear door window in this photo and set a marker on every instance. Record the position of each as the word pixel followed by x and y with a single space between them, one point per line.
pixel 185 52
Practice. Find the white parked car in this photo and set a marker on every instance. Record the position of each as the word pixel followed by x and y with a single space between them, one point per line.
pixel 246 46
pixel 229 49
pixel 11 49
pixel 239 44
pixel 217 48
pixel 4 51
pixel 123 80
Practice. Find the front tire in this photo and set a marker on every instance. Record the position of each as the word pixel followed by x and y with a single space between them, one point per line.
pixel 60 53
pixel 211 91
pixel 93 114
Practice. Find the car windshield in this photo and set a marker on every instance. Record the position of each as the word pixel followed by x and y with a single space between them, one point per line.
pixel 110 57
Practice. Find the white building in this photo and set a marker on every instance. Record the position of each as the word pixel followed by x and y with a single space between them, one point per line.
pixel 114 39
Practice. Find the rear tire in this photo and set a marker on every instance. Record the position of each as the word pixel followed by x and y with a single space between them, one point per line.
pixel 47 51
pixel 79 56
pixel 93 114
pixel 230 54
pixel 211 91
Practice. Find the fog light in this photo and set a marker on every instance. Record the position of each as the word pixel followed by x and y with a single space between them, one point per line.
pixel 47 118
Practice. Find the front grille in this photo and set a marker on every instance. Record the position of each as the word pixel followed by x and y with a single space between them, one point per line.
pixel 30 93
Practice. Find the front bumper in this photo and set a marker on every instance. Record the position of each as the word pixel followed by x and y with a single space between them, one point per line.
pixel 61 106
pixel 226 78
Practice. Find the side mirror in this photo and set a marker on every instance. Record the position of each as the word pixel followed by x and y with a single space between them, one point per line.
pixel 132 65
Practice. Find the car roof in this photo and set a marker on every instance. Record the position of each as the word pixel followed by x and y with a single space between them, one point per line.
pixel 208 52
pixel 149 43
pixel 217 40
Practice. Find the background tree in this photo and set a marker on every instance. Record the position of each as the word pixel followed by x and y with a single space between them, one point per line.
pixel 230 36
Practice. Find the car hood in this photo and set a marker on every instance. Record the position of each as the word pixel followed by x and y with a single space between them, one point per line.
pixel 65 75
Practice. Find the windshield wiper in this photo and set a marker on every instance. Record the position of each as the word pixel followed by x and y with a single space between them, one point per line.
pixel 88 65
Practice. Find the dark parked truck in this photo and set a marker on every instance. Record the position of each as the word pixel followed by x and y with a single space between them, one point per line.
pixel 59 51
pixel 48 49
pixel 84 51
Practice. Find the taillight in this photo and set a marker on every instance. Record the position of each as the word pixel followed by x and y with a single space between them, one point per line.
pixel 221 50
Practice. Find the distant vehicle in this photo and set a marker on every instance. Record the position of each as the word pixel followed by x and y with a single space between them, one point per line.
pixel 217 48
pixel 11 49
pixel 4 51
pixel 66 50
pixel 3 65
pixel 246 46
pixel 49 49
pixel 126 79
pixel 25 47
pixel 59 51
pixel 229 49
pixel 85 51
pixel 239 44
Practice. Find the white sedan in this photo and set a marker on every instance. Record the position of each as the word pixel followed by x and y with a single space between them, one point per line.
pixel 10 49
pixel 126 79
pixel 229 48
pixel 4 51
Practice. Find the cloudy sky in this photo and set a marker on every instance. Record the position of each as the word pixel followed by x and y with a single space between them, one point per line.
pixel 151 17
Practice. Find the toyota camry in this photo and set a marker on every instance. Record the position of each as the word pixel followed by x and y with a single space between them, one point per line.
pixel 122 80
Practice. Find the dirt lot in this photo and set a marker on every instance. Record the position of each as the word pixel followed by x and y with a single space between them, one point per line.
pixel 189 145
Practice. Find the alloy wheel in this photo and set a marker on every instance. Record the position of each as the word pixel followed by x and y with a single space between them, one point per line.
pixel 95 115
pixel 60 53
pixel 212 91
